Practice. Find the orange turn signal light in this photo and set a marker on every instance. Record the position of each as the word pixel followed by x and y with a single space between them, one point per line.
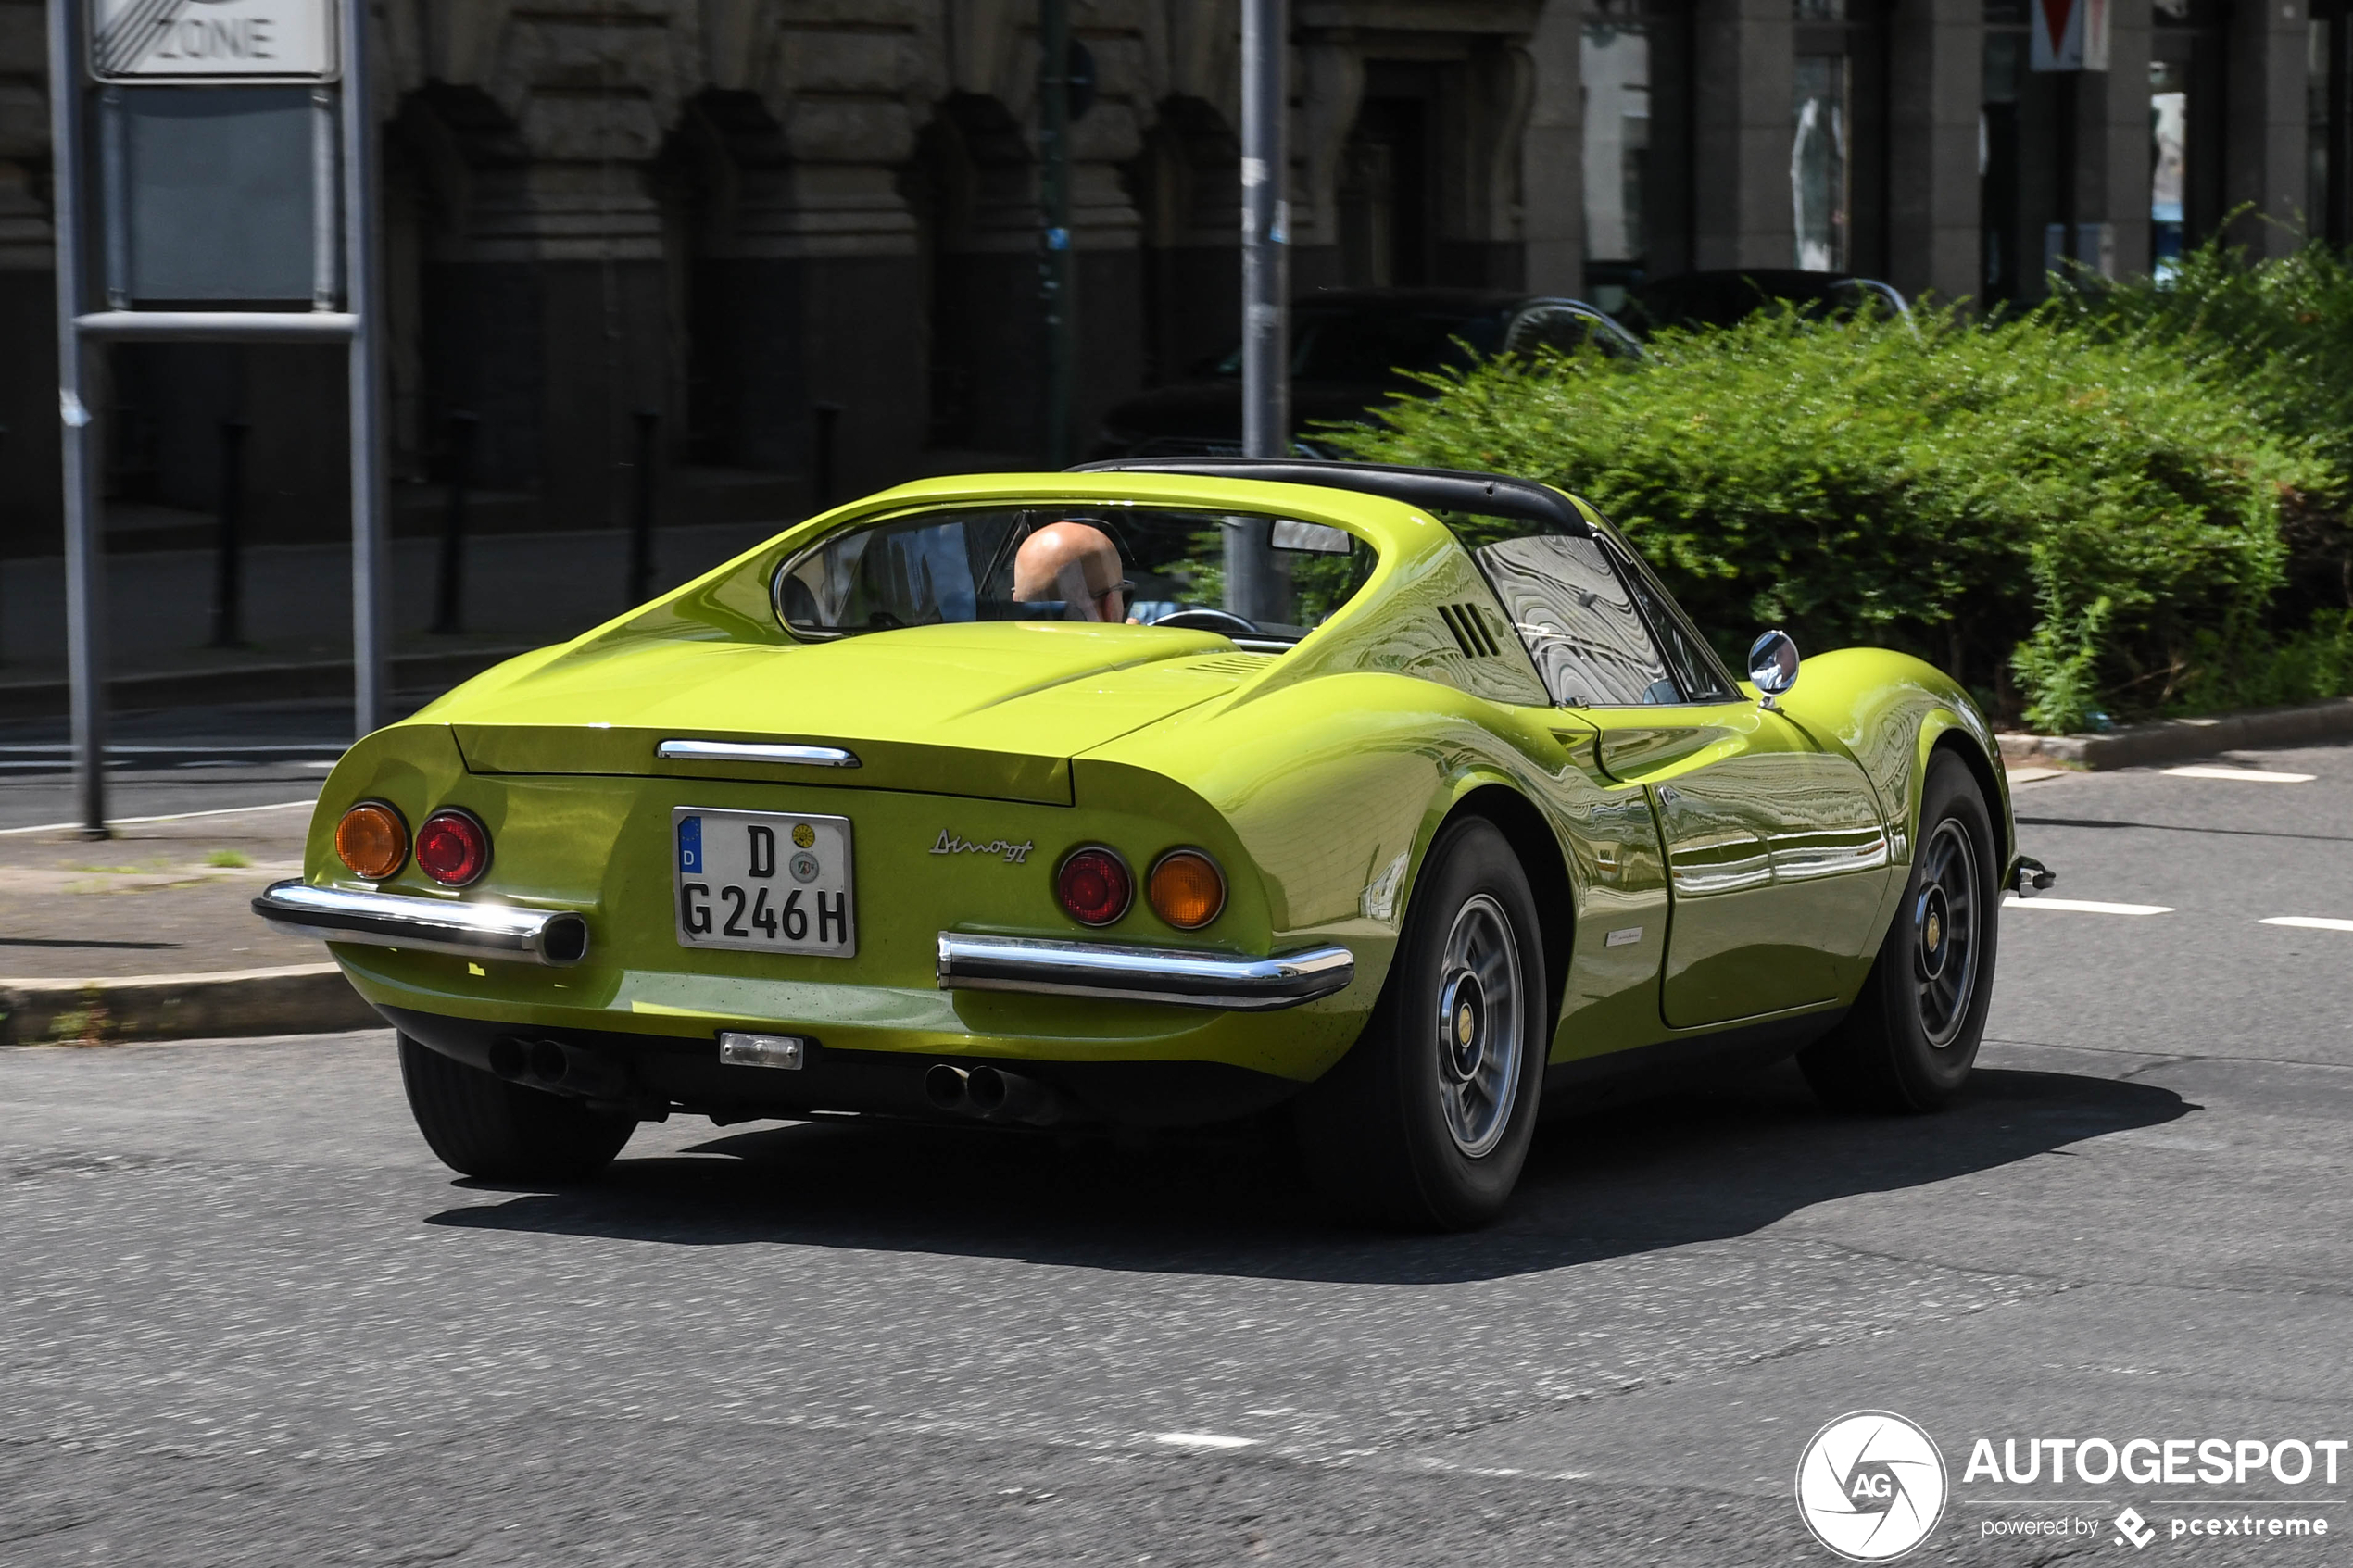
pixel 1186 889
pixel 372 840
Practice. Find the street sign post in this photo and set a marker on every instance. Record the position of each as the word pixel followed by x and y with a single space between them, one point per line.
pixel 248 41
pixel 237 169
pixel 2067 37
pixel 1250 572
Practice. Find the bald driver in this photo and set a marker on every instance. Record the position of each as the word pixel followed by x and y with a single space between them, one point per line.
pixel 1075 562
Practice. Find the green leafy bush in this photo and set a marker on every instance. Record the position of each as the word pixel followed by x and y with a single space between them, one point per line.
pixel 2107 513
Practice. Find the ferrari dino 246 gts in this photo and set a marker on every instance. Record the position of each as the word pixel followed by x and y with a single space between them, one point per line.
pixel 1160 794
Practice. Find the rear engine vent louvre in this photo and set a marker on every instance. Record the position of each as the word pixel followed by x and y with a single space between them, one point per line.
pixel 1235 663
pixel 1472 634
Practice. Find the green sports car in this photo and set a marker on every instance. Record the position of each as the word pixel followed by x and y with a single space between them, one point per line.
pixel 1159 794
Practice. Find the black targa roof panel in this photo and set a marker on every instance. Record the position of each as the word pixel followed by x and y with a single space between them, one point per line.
pixel 1482 495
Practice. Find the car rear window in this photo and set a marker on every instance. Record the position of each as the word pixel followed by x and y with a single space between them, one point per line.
pixel 1077 561
pixel 1600 631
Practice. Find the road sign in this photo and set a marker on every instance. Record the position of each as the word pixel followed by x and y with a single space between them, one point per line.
pixel 189 165
pixel 2068 35
pixel 198 41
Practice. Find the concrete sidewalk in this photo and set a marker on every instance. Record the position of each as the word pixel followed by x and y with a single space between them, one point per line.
pixel 151 934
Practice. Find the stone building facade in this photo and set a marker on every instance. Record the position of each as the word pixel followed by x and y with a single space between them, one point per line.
pixel 805 233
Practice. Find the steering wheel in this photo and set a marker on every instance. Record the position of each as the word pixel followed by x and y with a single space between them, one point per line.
pixel 1201 618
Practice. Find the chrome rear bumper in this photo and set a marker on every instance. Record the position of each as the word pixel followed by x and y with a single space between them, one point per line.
pixel 433 925
pixel 1141 974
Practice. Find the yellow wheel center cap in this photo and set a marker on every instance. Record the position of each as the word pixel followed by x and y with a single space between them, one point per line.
pixel 1464 1024
pixel 1935 932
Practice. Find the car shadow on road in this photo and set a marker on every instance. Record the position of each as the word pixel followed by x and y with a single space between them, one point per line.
pixel 1659 1174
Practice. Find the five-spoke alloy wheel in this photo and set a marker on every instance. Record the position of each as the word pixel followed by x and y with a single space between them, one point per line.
pixel 1427 1120
pixel 1479 1026
pixel 1910 1040
pixel 1944 916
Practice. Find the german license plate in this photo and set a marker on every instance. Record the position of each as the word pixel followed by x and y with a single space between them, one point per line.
pixel 764 882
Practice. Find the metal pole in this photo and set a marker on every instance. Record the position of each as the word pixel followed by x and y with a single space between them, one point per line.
pixel 2064 148
pixel 85 562
pixel 371 497
pixel 1053 152
pixel 1266 286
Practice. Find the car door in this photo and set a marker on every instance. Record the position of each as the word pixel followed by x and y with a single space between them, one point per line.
pixel 1774 841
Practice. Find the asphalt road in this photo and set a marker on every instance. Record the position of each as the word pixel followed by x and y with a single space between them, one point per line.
pixel 245 1318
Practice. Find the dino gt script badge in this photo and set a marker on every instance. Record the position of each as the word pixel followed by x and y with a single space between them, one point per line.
pixel 1004 849
pixel 1870 1486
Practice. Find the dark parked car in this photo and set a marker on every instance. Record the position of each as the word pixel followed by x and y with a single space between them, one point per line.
pixel 1351 349
pixel 1720 299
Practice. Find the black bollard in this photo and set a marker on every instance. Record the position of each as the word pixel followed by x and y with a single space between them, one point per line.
pixel 228 584
pixel 823 418
pixel 449 583
pixel 641 528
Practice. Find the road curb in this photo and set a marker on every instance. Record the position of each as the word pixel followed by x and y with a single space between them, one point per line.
pixel 297 999
pixel 2172 740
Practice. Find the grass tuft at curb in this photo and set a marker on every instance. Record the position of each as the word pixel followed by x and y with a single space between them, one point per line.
pixel 297 999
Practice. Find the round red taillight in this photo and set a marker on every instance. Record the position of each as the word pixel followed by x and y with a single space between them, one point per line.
pixel 1094 886
pixel 453 849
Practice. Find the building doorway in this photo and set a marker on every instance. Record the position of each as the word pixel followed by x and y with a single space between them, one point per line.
pixel 1387 227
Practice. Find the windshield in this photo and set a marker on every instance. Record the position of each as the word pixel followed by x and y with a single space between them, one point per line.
pixel 1082 561
pixel 1370 343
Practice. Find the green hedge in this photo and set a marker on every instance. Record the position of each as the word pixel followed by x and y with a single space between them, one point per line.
pixel 2089 510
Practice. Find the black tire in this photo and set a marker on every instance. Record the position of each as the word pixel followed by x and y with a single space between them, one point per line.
pixel 1421 1123
pixel 1909 1041
pixel 482 1125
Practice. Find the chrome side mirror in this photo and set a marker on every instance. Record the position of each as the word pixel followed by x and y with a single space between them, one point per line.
pixel 1772 666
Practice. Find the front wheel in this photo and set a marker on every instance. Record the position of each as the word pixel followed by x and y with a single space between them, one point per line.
pixel 1427 1120
pixel 482 1125
pixel 1911 1037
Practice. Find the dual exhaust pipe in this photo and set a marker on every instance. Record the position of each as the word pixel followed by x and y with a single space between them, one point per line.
pixel 987 1094
pixel 558 1069
pixel 992 1095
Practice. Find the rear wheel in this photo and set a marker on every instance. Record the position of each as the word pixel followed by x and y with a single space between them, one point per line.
pixel 1911 1037
pixel 1427 1120
pixel 482 1125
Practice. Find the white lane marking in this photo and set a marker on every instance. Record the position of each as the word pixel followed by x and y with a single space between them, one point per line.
pixel 1202 1440
pixel 2310 922
pixel 2252 775
pixel 173 817
pixel 2085 906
